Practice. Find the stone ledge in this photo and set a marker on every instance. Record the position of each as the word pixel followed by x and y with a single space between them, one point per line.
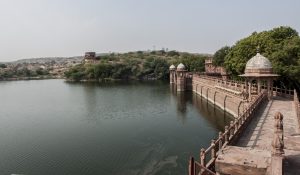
pixel 243 161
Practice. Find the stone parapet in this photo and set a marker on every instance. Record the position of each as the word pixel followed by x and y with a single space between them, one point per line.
pixel 297 105
pixel 228 99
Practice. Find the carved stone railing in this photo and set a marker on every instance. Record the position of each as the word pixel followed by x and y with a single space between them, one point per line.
pixel 226 83
pixel 208 156
pixel 297 105
pixel 231 87
pixel 289 93
pixel 195 168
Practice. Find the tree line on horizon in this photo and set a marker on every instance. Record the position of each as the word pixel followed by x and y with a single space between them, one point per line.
pixel 281 45
pixel 136 65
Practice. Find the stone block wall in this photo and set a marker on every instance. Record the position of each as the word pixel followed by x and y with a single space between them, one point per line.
pixel 206 88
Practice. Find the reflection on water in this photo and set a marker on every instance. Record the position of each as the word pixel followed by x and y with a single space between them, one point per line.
pixel 206 109
pixel 137 128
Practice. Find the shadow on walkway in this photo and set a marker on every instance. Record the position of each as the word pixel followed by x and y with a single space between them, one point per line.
pixel 252 133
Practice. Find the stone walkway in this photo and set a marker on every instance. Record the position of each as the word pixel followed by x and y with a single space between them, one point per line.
pixel 259 133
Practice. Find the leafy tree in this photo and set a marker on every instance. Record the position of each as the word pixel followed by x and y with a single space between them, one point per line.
pixel 280 45
pixel 41 71
pixel 219 56
pixel 161 69
pixel 3 66
pixel 172 53
pixel 102 71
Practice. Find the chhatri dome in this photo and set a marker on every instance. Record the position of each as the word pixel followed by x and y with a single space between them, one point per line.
pixel 180 67
pixel 259 66
pixel 172 67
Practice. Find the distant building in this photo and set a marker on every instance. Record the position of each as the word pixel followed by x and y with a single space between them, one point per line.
pixel 211 69
pixel 90 57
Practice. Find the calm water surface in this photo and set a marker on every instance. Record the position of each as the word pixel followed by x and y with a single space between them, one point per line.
pixel 50 127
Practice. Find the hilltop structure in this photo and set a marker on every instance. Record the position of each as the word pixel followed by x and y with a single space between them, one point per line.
pixel 90 57
pixel 213 70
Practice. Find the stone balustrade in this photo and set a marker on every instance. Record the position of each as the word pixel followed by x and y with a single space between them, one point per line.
pixel 208 156
pixel 288 93
pixel 297 105
pixel 221 93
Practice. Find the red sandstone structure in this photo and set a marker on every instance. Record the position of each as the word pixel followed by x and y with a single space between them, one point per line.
pixel 212 70
pixel 259 70
pixel 90 57
pixel 254 143
pixel 178 77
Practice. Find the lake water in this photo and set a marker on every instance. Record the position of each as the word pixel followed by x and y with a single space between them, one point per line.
pixel 51 127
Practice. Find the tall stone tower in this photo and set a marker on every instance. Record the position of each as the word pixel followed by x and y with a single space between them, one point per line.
pixel 172 70
pixel 181 73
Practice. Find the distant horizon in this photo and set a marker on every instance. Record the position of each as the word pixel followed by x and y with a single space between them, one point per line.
pixel 64 28
pixel 98 53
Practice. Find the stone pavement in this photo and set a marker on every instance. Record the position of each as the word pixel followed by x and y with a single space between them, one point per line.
pixel 259 133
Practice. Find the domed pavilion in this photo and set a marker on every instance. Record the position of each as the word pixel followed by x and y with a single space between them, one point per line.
pixel 172 70
pixel 178 76
pixel 259 69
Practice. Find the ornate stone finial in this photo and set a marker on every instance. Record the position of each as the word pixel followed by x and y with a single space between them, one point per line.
pixel 277 145
pixel 278 116
pixel 220 134
pixel 278 124
pixel 213 142
pixel 202 151
pixel 258 49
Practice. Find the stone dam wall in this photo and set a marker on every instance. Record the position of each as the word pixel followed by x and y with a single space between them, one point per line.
pixel 226 95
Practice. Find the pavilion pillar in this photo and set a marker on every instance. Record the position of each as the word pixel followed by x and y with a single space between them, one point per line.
pixel 269 89
pixel 249 89
pixel 258 86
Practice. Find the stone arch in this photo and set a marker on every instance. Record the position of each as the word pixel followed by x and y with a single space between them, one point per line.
pixel 224 105
pixel 207 93
pixel 215 97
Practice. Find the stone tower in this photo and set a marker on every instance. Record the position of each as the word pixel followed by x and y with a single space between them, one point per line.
pixel 172 70
pixel 180 74
pixel 90 57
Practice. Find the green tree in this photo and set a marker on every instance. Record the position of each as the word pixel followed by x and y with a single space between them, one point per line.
pixel 280 45
pixel 219 56
pixel 172 53
pixel 3 65
pixel 102 70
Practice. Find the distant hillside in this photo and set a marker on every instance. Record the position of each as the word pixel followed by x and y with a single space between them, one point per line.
pixel 47 60
pixel 37 68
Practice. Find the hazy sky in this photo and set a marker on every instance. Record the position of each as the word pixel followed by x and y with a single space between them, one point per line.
pixel 43 28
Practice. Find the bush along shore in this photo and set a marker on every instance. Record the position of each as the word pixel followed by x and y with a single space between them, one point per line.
pixel 10 74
